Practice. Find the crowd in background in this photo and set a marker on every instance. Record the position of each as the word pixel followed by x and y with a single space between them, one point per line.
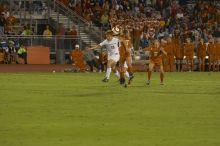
pixel 190 17
pixel 161 19
pixel 194 19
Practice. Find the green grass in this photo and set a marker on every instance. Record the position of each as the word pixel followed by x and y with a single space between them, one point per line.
pixel 76 109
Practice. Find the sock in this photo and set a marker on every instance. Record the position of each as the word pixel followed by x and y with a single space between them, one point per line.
pixel 161 77
pixel 117 74
pixel 130 70
pixel 127 74
pixel 149 75
pixel 108 72
pixel 177 68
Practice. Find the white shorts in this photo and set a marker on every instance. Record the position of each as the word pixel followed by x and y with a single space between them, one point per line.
pixel 115 57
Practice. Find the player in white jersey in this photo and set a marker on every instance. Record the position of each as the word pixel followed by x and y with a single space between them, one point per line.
pixel 112 45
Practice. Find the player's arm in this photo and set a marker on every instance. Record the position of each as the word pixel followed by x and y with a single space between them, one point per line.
pixel 95 47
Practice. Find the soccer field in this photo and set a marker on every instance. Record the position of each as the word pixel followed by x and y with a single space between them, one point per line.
pixel 77 109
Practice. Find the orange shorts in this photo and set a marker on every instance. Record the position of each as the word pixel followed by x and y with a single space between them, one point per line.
pixel 156 61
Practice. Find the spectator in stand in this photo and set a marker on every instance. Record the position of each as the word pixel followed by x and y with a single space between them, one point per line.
pixel 22 53
pixel 144 41
pixel 27 32
pixel 187 16
pixel 97 14
pixel 47 34
pixel 65 2
pixel 105 21
pixel 2 55
pixel 2 24
pixel 78 8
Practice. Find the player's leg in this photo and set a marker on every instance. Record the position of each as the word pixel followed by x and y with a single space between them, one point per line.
pixel 109 70
pixel 191 64
pixel 150 69
pixel 171 61
pixel 122 70
pixel 130 69
pixel 161 74
pixel 214 65
pixel 166 63
pixel 181 64
pixel 116 69
pixel 200 64
pixel 210 63
pixel 218 65
pixel 187 64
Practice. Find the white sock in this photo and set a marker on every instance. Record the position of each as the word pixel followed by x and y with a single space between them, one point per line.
pixel 108 72
pixel 127 74
pixel 117 74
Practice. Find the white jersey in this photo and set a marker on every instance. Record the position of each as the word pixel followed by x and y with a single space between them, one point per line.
pixel 111 46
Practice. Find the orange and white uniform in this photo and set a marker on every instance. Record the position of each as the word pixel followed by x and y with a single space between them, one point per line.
pixel 156 56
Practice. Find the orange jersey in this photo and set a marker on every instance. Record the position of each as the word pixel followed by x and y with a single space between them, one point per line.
pixel 201 53
pixel 218 51
pixel 189 50
pixel 78 58
pixel 178 50
pixel 125 48
pixel 155 53
pixel 169 48
pixel 212 50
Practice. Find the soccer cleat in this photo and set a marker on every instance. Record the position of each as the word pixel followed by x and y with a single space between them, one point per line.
pixel 130 79
pixel 148 82
pixel 105 80
pixel 161 83
pixel 122 81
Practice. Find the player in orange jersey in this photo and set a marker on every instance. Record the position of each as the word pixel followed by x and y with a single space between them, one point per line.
pixel 178 52
pixel 125 51
pixel 201 54
pixel 212 50
pixel 168 59
pixel 188 53
pixel 218 53
pixel 156 52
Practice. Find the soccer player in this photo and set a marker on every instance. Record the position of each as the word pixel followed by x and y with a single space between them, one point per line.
pixel 212 50
pixel 168 59
pixel 156 52
pixel 188 52
pixel 112 45
pixel 218 53
pixel 201 54
pixel 125 51
pixel 178 52
pixel 77 56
